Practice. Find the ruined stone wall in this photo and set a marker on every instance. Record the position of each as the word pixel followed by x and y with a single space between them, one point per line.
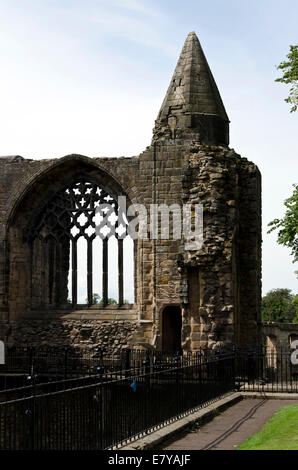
pixel 280 334
pixel 25 186
pixel 218 306
pixel 111 335
pixel 217 287
pixel 153 177
pixel 249 264
pixel 223 308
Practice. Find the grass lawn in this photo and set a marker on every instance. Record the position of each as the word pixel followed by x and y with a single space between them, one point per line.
pixel 279 433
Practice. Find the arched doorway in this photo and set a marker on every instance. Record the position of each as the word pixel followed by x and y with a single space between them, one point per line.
pixel 171 329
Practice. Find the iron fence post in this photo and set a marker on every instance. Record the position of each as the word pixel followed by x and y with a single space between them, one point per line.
pixel 127 361
pixel 146 363
pixel 100 367
pixel 199 363
pixel 65 362
pixel 235 361
pixel 176 363
pixel 30 411
pixel 30 359
pixel 101 419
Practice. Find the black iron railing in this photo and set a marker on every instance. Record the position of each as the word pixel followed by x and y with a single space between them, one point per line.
pixel 47 364
pixel 266 369
pixel 106 401
pixel 106 413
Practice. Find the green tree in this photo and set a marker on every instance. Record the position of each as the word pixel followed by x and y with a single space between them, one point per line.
pixel 295 303
pixel 288 233
pixel 110 301
pixel 290 76
pixel 277 306
pixel 96 300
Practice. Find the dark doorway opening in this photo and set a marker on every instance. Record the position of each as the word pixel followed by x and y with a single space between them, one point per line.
pixel 171 329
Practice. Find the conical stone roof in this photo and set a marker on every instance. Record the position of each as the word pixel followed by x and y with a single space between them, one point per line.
pixel 192 107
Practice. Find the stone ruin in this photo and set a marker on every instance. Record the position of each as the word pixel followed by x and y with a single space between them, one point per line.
pixel 207 297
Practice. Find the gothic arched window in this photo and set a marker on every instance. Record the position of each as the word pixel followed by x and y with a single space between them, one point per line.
pixel 74 239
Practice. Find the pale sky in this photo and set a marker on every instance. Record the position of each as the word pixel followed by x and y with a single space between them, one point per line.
pixel 89 77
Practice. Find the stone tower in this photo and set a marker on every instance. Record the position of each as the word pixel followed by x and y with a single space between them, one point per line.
pixel 186 296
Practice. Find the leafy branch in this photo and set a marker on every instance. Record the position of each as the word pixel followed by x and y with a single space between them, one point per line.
pixel 290 76
pixel 288 225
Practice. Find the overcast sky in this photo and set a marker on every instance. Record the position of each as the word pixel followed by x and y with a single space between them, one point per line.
pixel 89 76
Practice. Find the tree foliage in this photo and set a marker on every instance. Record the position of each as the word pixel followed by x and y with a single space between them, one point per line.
pixel 279 306
pixel 96 300
pixel 288 226
pixel 295 303
pixel 290 76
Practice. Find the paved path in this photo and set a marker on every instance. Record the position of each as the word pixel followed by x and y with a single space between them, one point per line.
pixel 232 427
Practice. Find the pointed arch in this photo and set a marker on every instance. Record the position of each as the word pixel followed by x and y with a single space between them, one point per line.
pixel 68 165
pixel 42 246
